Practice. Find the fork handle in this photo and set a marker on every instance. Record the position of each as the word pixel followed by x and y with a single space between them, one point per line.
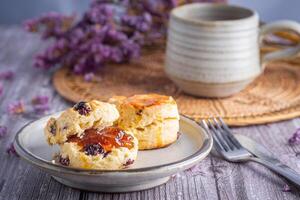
pixel 281 169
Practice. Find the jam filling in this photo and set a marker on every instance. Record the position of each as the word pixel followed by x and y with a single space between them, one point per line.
pixel 95 141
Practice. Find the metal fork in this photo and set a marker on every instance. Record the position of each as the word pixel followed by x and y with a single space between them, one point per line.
pixel 231 150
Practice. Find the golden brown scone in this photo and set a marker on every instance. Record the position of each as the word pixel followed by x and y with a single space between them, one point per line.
pixel 152 118
pixel 82 116
pixel 108 149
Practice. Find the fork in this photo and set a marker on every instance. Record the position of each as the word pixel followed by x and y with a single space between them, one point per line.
pixel 231 150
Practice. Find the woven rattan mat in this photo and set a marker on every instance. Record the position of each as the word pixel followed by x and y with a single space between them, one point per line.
pixel 273 96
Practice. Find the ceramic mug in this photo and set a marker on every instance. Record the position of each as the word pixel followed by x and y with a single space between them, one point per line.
pixel 213 49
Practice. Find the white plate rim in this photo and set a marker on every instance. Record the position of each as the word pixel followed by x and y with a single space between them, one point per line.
pixel 44 164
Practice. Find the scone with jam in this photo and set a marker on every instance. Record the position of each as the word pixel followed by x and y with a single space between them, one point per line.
pixel 88 138
pixel 82 116
pixel 108 149
pixel 152 118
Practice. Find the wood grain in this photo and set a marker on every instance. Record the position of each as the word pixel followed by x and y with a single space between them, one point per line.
pixel 211 179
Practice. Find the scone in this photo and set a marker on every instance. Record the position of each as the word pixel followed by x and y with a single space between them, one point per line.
pixel 152 118
pixel 82 116
pixel 107 149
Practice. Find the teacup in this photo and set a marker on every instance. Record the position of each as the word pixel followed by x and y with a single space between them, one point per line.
pixel 213 49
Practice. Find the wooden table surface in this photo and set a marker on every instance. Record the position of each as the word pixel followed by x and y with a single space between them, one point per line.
pixel 211 179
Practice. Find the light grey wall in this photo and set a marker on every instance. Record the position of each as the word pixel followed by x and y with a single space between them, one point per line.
pixel 16 11
pixel 271 10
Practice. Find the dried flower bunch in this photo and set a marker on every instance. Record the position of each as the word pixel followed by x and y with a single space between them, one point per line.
pixel 110 31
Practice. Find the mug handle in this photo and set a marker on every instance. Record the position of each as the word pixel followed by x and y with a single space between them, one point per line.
pixel 279 26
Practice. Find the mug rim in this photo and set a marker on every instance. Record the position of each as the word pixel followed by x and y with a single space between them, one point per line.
pixel 175 13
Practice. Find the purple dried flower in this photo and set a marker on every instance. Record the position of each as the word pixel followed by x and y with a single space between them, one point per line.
pixel 98 38
pixel 52 24
pixel 88 77
pixel 116 55
pixel 40 104
pixel 41 108
pixel 11 150
pixel 3 131
pixel 286 188
pixel 105 34
pixel 130 50
pixel 99 13
pixel 295 139
pixel 40 99
pixel 7 75
pixel 140 23
pixel 31 25
pixel 16 107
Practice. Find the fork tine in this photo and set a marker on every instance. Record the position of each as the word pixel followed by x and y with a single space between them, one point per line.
pixel 216 140
pixel 218 135
pixel 224 134
pixel 229 133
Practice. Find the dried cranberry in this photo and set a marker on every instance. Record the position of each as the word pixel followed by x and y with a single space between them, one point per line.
pixel 64 161
pixel 93 149
pixel 139 112
pixel 82 108
pixel 53 128
pixel 129 162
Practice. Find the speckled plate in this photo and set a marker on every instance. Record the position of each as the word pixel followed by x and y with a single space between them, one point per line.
pixel 152 167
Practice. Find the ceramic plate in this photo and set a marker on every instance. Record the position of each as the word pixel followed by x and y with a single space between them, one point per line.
pixel 152 167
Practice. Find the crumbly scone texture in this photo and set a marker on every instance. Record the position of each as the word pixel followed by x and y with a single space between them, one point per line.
pixel 75 120
pixel 152 118
pixel 118 158
pixel 157 135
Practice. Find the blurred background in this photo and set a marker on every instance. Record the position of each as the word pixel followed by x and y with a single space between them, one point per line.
pixel 15 11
